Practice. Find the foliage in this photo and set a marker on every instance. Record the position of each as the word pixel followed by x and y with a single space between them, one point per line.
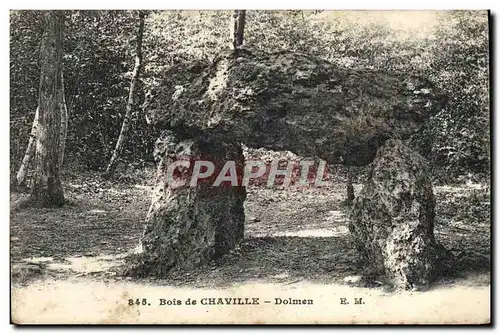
pixel 452 51
pixel 97 60
pixel 26 33
pixel 460 135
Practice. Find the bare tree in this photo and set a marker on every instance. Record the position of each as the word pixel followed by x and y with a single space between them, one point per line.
pixel 50 125
pixel 133 83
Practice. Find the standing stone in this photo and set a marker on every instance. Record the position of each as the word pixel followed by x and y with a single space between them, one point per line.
pixel 188 226
pixel 392 219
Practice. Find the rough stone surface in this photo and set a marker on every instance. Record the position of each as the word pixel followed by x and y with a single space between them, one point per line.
pixel 295 102
pixel 392 219
pixel 188 226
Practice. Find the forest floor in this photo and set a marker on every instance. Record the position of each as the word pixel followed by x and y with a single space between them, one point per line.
pixel 296 242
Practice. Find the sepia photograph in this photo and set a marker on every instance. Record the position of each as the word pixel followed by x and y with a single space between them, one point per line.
pixel 250 167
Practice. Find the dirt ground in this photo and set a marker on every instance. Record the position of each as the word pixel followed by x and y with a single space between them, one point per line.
pixel 296 242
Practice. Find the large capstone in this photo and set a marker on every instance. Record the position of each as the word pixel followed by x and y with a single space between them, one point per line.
pixel 392 219
pixel 189 225
pixel 295 102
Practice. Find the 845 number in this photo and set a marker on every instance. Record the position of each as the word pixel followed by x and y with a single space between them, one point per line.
pixel 138 301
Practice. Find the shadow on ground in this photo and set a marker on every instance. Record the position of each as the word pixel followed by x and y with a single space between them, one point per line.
pixel 291 236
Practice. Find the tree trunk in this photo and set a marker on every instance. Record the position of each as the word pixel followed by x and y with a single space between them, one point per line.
pixel 350 187
pixel 239 28
pixel 126 120
pixel 30 149
pixel 47 188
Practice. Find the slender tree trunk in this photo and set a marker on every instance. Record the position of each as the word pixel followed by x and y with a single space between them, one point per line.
pixel 350 187
pixel 239 28
pixel 133 83
pixel 47 188
pixel 28 155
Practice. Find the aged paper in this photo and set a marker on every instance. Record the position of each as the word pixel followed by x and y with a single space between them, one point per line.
pixel 250 167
